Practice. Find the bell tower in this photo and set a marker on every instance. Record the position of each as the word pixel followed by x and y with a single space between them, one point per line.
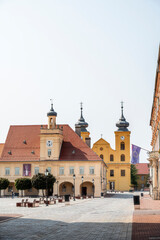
pixel 51 138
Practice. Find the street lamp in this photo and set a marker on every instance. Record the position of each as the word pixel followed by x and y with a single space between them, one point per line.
pixel 93 187
pixel 74 177
pixel 102 181
pixel 57 187
pixel 82 186
pixel 46 174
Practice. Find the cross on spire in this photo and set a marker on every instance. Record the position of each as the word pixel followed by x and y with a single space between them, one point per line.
pixel 51 104
pixel 81 104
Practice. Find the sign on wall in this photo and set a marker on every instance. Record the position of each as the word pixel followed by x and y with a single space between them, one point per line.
pixel 26 169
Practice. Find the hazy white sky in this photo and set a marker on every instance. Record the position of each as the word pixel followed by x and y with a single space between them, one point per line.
pixel 95 51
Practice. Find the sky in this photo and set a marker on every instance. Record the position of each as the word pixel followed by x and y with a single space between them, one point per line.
pixel 99 52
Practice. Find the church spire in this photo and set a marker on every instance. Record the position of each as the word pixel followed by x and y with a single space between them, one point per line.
pixel 122 124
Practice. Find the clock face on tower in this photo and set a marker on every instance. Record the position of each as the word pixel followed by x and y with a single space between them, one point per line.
pixel 122 137
pixel 49 143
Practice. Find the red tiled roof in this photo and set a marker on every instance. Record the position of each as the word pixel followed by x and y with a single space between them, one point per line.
pixel 31 134
pixel 142 168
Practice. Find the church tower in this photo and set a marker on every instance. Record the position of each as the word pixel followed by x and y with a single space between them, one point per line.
pixel 118 160
pixel 122 147
pixel 51 138
pixel 80 129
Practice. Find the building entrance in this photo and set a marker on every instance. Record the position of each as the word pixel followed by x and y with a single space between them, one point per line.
pixel 84 191
pixel 112 185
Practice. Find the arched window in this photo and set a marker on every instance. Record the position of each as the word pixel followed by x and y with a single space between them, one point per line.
pixel 122 146
pixel 101 156
pixel 122 157
pixel 111 158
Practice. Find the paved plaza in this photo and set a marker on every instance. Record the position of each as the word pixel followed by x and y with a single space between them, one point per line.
pixel 103 218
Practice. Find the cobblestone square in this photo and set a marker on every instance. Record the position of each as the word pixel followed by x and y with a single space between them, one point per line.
pixel 99 218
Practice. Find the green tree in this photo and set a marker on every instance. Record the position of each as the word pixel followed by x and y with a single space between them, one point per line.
pixel 134 176
pixel 4 183
pixel 23 183
pixel 40 181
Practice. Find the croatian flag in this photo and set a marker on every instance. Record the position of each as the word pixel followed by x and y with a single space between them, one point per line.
pixel 135 154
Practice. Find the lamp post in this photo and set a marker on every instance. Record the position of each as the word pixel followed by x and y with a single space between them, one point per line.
pixel 74 177
pixel 82 186
pixel 57 187
pixel 93 187
pixel 46 174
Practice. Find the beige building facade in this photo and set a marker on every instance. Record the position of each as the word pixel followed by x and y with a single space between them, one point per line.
pixel 32 149
pixel 154 155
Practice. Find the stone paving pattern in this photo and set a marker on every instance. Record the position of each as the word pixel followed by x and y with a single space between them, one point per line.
pixel 146 221
pixel 105 218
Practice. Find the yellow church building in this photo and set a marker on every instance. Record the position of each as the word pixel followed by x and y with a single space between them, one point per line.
pixel 118 160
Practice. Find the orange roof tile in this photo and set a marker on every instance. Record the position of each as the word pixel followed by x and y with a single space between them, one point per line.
pixel 142 168
pixel 73 147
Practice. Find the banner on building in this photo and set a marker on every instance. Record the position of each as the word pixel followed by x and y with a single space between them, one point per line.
pixel 26 169
pixel 135 154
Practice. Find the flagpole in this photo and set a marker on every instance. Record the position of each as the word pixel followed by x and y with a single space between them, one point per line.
pixel 142 148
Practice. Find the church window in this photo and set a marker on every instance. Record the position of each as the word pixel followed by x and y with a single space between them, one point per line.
pixel 111 173
pixel 123 173
pixel 111 158
pixel 122 146
pixel 122 157
pixel 101 156
pixel 101 148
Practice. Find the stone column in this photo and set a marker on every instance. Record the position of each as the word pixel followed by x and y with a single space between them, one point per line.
pixel 40 193
pixel 154 174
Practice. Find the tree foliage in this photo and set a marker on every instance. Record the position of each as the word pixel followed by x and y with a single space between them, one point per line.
pixel 4 183
pixel 134 176
pixel 40 181
pixel 23 183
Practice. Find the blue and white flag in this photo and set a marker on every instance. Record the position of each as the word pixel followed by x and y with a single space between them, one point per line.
pixel 135 154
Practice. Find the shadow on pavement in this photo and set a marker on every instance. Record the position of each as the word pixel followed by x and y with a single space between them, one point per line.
pixel 119 195
pixel 29 229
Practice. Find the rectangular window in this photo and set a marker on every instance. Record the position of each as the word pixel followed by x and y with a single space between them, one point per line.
pixel 81 170
pixel 7 171
pixel 71 170
pixel 111 173
pixel 142 178
pixel 30 190
pixel 36 170
pixel 49 169
pixel 16 170
pixel 49 152
pixel 61 171
pixel 122 173
pixel 91 170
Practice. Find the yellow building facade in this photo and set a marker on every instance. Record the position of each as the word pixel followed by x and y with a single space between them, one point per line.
pixel 118 161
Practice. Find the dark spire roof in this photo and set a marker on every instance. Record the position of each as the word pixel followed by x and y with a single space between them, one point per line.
pixel 51 112
pixel 122 124
pixel 81 122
